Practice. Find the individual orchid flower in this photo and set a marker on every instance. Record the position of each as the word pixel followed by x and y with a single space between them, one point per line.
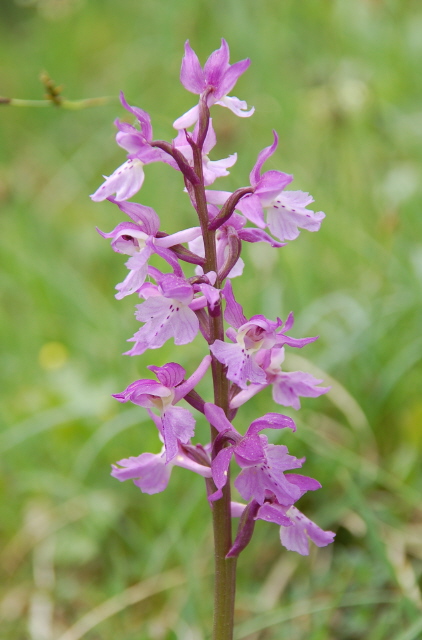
pixel 263 465
pixel 129 177
pixel 139 240
pixel 151 472
pixel 178 424
pixel 249 337
pixel 215 80
pixel 286 210
pixel 212 169
pixel 169 312
pixel 287 387
pixel 295 528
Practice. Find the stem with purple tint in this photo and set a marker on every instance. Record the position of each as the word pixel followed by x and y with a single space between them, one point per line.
pixel 225 568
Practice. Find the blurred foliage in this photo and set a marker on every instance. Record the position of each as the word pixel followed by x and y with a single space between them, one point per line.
pixel 340 82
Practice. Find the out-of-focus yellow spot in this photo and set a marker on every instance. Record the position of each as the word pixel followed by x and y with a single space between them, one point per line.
pixel 53 355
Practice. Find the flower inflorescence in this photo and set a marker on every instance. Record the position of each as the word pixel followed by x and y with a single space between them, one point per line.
pixel 179 304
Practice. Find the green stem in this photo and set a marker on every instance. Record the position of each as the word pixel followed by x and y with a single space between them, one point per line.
pixel 225 569
pixel 74 105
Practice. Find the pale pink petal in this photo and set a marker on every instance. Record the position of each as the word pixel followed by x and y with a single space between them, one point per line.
pixel 138 266
pixel 237 269
pixel 124 182
pixel 148 471
pixel 251 207
pixel 236 509
pixel 217 197
pixel 178 425
pixel 238 107
pixel 246 394
pixel 296 538
pixel 287 387
pixel 187 235
pixel 187 119
pixel 163 319
pixel 241 364
pixel 287 215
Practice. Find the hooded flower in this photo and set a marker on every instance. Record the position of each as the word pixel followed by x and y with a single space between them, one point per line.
pixel 166 314
pixel 169 310
pixel 286 210
pixel 129 177
pixel 177 424
pixel 216 79
pixel 249 337
pixel 139 240
pixel 263 465
pixel 150 471
pixel 287 386
pixel 296 535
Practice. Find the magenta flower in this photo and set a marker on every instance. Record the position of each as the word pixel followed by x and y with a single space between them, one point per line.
pixel 249 337
pixel 296 533
pixel 262 464
pixel 139 240
pixel 151 472
pixel 166 314
pixel 216 80
pixel 129 177
pixel 286 210
pixel 287 386
pixel 178 424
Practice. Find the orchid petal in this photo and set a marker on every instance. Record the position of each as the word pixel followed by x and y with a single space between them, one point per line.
pixel 187 119
pixel 296 538
pixel 251 207
pixel 271 421
pixel 220 466
pixel 233 313
pixel 216 416
pixel 148 472
pixel 274 513
pixel 191 74
pixel 185 387
pixel 178 426
pixel 170 375
pixel 236 106
pixel 263 156
pixel 124 182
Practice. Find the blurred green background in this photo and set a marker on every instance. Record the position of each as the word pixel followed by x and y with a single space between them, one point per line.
pixel 340 81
